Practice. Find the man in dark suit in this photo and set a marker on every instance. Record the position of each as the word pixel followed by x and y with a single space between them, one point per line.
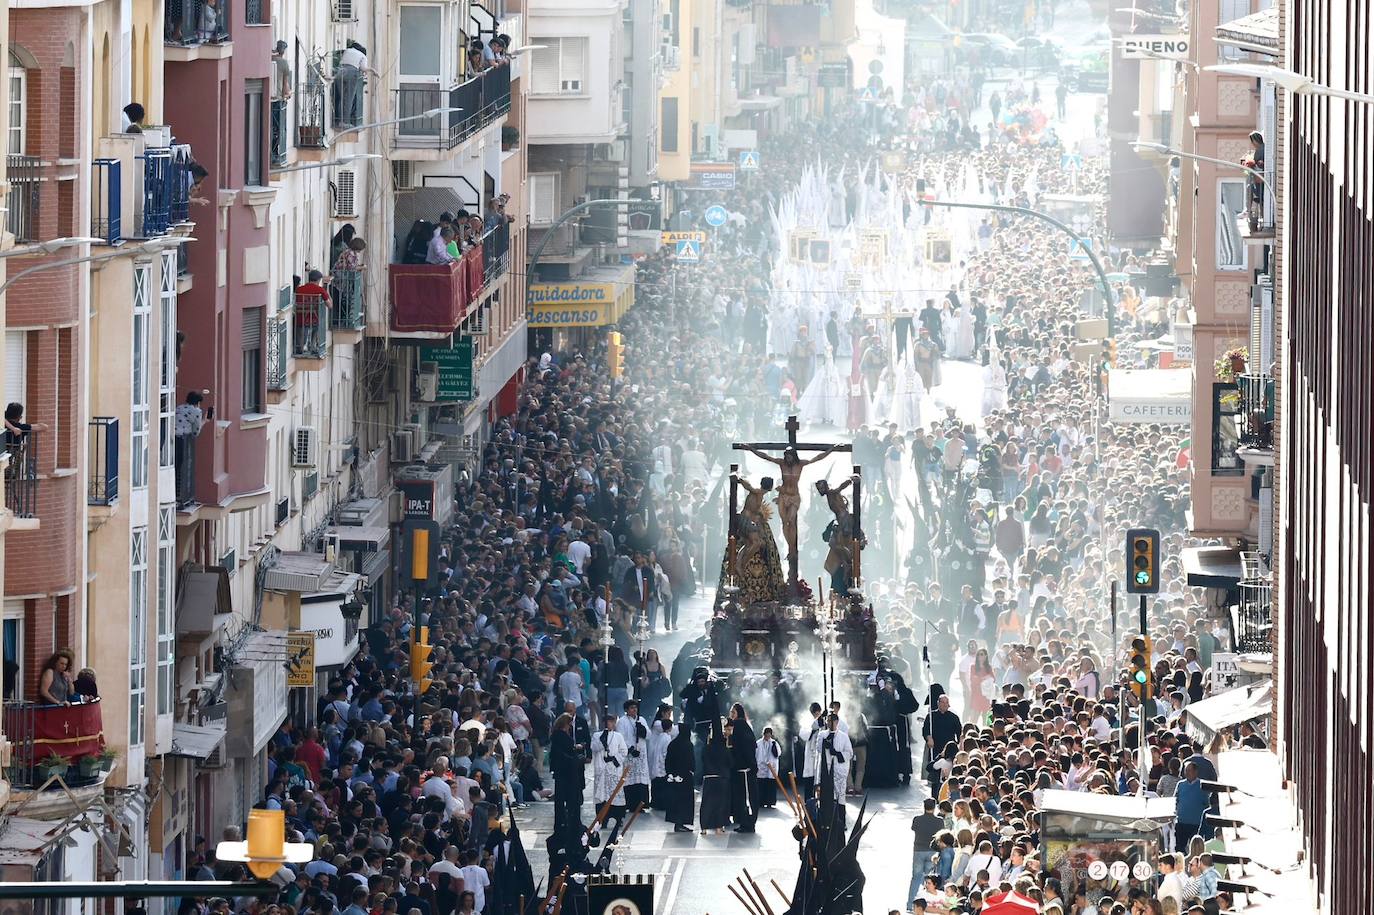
pixel 640 586
pixel 567 762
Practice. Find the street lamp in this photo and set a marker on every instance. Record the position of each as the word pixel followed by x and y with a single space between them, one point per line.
pixel 1170 151
pixel 1289 81
pixel 429 113
pixel 147 249
pixel 266 849
pixel 51 246
pixel 564 217
pixel 342 160
pixel 525 49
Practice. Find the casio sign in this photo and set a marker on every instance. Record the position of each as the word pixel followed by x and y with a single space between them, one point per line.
pixel 1152 47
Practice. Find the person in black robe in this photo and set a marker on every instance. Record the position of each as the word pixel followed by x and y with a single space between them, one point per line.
pixel 744 783
pixel 567 762
pixel 679 768
pixel 715 783
pixel 941 727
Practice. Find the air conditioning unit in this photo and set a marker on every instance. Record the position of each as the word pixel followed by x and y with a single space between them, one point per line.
pixel 305 447
pixel 344 11
pixel 603 152
pixel 216 760
pixel 429 386
pixel 417 434
pixel 402 446
pixel 402 175
pixel 344 204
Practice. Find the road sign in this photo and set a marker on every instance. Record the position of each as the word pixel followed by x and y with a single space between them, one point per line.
pixel 672 238
pixel 689 251
pixel 300 659
pixel 1078 249
pixel 749 160
pixel 716 215
pixel 866 94
pixel 455 370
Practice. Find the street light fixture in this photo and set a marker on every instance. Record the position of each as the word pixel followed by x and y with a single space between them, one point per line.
pixel 149 248
pixel 342 160
pixel 428 113
pixel 51 246
pixel 525 49
pixel 1289 81
pixel 1170 151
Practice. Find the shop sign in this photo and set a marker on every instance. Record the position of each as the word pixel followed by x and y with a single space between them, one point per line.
pixel 300 659
pixel 670 239
pixel 455 370
pixel 712 176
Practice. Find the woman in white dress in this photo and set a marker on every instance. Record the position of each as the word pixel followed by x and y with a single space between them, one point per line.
pixel 963 334
pixel 911 393
pixel 885 397
pixel 994 382
pixel 825 402
pixel 949 329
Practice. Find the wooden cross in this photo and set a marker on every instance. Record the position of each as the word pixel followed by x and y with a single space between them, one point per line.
pixel 792 427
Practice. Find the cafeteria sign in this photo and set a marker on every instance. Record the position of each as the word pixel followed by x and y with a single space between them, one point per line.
pixel 571 304
pixel 455 369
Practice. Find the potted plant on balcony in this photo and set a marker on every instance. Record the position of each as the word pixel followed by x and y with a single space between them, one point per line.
pixel 51 765
pixel 107 759
pixel 89 765
pixel 1231 365
pixel 510 137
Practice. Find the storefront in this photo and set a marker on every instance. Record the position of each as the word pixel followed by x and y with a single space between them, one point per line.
pixel 570 316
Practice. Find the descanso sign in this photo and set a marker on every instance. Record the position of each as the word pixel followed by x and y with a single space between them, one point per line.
pixel 557 293
pixel 554 315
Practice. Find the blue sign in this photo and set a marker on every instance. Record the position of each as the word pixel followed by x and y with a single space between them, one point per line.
pixel 1079 248
pixel 866 94
pixel 1070 161
pixel 689 251
pixel 716 216
pixel 749 160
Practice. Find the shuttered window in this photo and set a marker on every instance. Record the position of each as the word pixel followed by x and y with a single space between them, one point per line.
pixel 543 198
pixel 667 125
pixel 560 67
pixel 252 360
pixel 16 365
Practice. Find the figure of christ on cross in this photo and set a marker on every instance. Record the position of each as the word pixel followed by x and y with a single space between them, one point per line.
pixel 790 467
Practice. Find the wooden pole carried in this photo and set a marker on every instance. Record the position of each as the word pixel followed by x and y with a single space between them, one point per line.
pixel 747 907
pixel 780 892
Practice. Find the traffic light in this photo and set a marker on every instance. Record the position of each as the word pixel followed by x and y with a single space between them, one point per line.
pixel 1109 352
pixel 1140 669
pixel 1142 561
pixel 420 665
pixel 615 354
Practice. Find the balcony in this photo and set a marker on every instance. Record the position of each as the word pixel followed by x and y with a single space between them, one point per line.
pixel 311 325
pixel 103 439
pixel 495 252
pixel 191 23
pixel 186 471
pixel 1254 627
pixel 279 349
pixel 21 476
pixel 482 99
pixel 1257 411
pixel 349 312
pixel 106 201
pixel 432 299
pixel 39 733
pixel 165 200
pixel 312 113
pixel 22 174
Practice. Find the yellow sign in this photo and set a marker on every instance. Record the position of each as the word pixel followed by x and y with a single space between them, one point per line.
pixel 670 239
pixel 577 304
pixel 300 659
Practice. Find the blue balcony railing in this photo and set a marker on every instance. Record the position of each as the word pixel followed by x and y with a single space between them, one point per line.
pixel 21 476
pixel 103 433
pixel 166 189
pixel 106 203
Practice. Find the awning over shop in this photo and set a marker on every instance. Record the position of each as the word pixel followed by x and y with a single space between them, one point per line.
pixel 204 602
pixel 303 572
pixel 24 842
pixel 1206 719
pixel 1107 806
pixel 354 538
pixel 1211 566
pixel 1257 32
pixel 197 741
pixel 1163 396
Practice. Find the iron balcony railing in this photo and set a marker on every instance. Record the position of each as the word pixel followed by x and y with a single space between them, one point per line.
pixel 349 311
pixel 311 338
pixel 1254 622
pixel 106 204
pixel 103 435
pixel 1257 410
pixel 22 174
pixel 279 348
pixel 166 197
pixel 480 100
pixel 311 112
pixel 495 252
pixel 186 469
pixel 21 474
pixel 193 22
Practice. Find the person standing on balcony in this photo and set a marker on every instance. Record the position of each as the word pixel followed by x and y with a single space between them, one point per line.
pixel 16 430
pixel 281 93
pixel 190 419
pixel 133 115
pixel 55 683
pixel 349 76
pixel 311 301
pixel 439 247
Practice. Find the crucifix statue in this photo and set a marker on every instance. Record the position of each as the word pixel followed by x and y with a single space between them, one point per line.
pixel 790 467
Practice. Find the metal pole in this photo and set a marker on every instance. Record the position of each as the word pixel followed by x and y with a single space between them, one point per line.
pixel 135 889
pixel 564 217
pixel 415 640
pixel 1045 217
pixel 1147 699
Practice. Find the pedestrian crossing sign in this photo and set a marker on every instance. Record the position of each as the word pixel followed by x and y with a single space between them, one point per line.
pixel 866 94
pixel 688 250
pixel 749 160
pixel 1079 248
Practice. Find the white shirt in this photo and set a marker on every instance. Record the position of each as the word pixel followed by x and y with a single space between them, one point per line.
pixel 434 786
pixel 579 552
pixel 352 57
pixel 475 881
pixel 444 866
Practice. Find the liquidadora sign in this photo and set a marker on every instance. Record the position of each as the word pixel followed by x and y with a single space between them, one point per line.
pixel 577 304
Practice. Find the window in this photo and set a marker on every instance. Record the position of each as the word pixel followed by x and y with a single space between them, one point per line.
pixel 1231 10
pixel 252 131
pixel 671 20
pixel 696 41
pixel 16 366
pixel 667 125
pixel 18 117
pixel 1230 206
pixel 252 360
pixel 422 36
pixel 168 375
pixel 559 68
pixel 138 635
pixel 543 198
pixel 166 632
pixel 13 647
pixel 1226 411
pixel 138 435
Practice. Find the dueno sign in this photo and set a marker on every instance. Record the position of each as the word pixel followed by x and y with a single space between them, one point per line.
pixel 672 238
pixel 1152 47
pixel 455 370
